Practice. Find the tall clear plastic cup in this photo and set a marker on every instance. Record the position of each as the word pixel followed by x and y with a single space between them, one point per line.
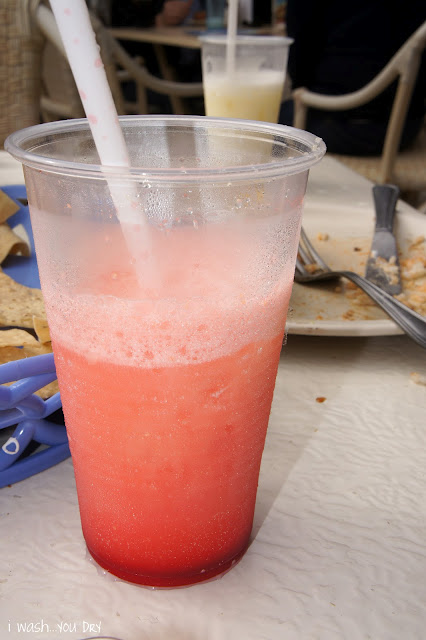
pixel 249 84
pixel 167 349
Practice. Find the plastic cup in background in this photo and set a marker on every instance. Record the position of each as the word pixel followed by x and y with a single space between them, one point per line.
pixel 167 375
pixel 215 14
pixel 253 88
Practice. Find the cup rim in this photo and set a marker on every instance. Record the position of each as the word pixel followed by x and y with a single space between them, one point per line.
pixel 261 40
pixel 311 148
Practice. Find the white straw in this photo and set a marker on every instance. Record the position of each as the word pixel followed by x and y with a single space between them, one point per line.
pixel 83 54
pixel 82 50
pixel 231 35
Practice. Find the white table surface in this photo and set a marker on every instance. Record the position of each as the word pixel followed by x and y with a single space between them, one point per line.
pixel 339 540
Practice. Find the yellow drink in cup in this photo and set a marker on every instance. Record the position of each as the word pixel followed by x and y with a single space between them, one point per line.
pixel 250 88
pixel 167 357
pixel 245 96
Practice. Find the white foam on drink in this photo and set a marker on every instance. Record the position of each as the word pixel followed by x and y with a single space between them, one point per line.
pixel 222 286
pixel 165 334
pixel 247 79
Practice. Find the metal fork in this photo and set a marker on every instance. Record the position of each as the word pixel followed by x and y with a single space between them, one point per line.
pixel 310 267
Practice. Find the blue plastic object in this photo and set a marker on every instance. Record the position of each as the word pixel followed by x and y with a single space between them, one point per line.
pixel 19 407
pixel 23 270
pixel 29 443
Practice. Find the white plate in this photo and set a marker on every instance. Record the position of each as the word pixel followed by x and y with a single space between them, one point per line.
pixel 345 212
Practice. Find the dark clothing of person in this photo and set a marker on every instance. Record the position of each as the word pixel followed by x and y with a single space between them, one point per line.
pixel 134 13
pixel 340 47
pixel 350 135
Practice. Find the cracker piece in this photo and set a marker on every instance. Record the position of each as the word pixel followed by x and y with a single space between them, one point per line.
pixel 42 329
pixel 17 338
pixel 11 243
pixel 7 206
pixel 19 303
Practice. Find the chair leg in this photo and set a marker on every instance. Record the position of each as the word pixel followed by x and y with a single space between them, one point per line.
pixel 168 74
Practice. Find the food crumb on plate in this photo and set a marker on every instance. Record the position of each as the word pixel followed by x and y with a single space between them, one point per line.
pixel 389 267
pixel 417 378
pixel 413 274
pixel 349 315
